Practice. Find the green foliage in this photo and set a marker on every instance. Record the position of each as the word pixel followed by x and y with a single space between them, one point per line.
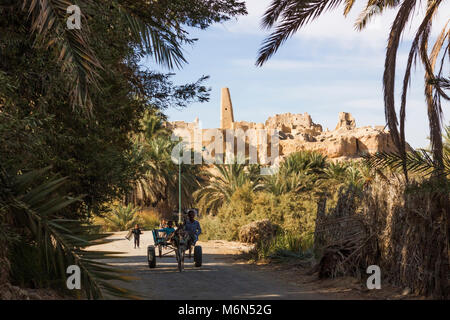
pixel 52 114
pixel 149 220
pixel 49 243
pixel 121 218
pixel 223 181
pixel 286 245
pixel 152 28
pixel 287 198
pixel 26 267
pixel 40 128
pixel 294 213
pixel 419 162
pixel 158 185
pixel 336 171
pixel 306 161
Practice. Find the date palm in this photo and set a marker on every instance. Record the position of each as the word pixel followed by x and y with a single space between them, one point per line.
pixel 310 161
pixel 417 161
pixel 223 181
pixel 158 185
pixel 288 16
pixel 296 182
pixel 31 207
pixel 121 218
pixel 299 172
pixel 46 21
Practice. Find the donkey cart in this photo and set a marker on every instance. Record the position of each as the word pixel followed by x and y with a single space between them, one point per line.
pixel 179 242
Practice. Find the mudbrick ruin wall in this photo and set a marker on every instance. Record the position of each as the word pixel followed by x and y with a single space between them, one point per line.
pixel 296 132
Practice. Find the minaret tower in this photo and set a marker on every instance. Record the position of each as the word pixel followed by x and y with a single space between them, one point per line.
pixel 226 110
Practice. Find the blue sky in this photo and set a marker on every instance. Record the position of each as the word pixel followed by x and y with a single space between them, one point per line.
pixel 325 68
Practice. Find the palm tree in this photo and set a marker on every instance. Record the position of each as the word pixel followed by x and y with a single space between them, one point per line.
pixel 310 161
pixel 30 207
pixel 121 218
pixel 423 163
pixel 300 171
pixel 336 171
pixel 418 161
pixel 282 183
pixel 224 180
pixel 153 126
pixel 47 23
pixel 288 16
pixel 158 185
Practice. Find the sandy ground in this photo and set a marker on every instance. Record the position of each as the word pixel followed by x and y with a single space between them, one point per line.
pixel 224 276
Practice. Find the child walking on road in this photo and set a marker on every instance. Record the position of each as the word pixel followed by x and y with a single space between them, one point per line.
pixel 137 234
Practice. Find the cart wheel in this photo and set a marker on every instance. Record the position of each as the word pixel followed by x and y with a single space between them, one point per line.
pixel 151 256
pixel 160 250
pixel 198 256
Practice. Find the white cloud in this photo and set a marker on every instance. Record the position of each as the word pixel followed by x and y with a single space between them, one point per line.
pixel 326 61
pixel 249 24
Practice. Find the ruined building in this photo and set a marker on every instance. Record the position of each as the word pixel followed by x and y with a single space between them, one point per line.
pixel 297 132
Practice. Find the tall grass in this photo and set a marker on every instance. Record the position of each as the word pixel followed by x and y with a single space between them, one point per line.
pixel 148 219
pixel 286 245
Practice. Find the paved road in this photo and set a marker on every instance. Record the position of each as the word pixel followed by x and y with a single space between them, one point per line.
pixel 220 277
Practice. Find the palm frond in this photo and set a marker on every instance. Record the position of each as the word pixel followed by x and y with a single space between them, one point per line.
pixel 292 15
pixel 348 6
pixel 274 11
pixel 157 39
pixel 224 181
pixel 367 14
pixel 443 83
pixel 121 218
pixel 403 15
pixel 419 162
pixel 32 203
pixel 373 8
pixel 48 21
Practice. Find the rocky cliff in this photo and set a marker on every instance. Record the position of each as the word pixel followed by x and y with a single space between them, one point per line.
pixel 345 141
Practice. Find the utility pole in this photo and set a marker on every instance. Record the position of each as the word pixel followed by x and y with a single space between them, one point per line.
pixel 179 189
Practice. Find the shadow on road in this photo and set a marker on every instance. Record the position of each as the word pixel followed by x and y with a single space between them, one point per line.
pixel 217 278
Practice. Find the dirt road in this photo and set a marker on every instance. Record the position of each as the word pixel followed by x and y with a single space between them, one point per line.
pixel 220 276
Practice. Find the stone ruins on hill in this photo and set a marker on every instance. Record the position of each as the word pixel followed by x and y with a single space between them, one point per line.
pixel 298 132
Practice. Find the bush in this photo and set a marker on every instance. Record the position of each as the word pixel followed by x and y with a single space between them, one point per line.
pixel 257 231
pixel 27 269
pixel 291 212
pixel 285 245
pixel 213 229
pixel 148 219
pixel 287 199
